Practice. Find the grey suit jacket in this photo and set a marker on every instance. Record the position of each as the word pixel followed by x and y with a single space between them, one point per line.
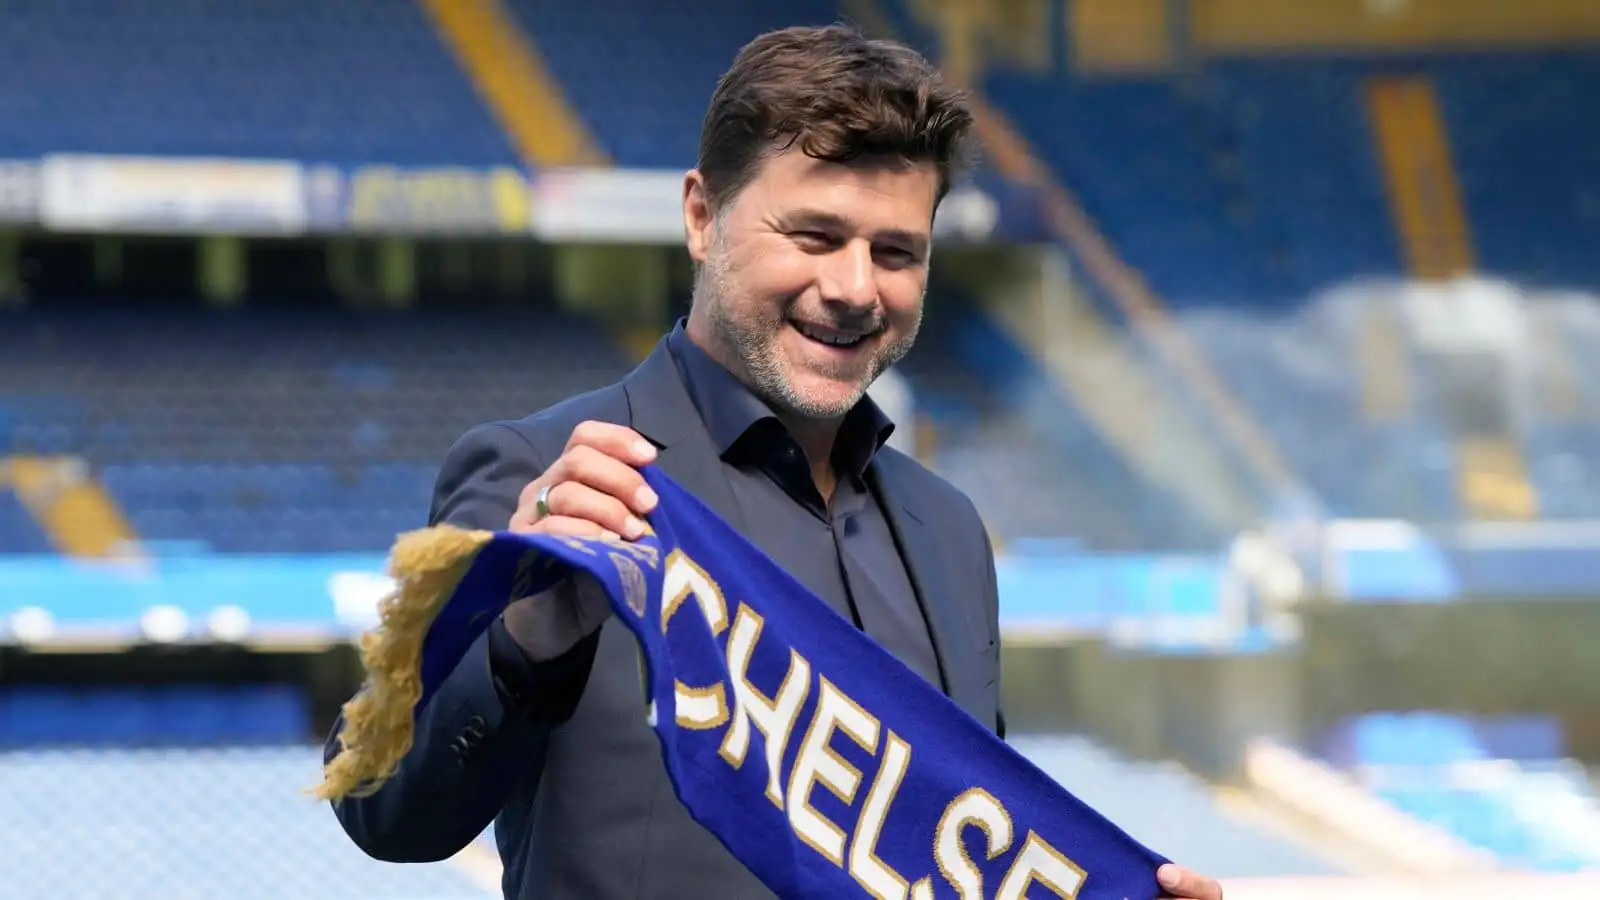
pixel 584 810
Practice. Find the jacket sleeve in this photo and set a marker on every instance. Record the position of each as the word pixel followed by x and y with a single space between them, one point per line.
pixel 473 746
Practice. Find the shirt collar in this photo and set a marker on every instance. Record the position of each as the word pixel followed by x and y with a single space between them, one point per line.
pixel 730 409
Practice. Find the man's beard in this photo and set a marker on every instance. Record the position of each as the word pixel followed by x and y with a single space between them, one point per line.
pixel 748 344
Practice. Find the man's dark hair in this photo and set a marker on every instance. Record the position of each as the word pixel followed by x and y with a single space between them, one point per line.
pixel 836 95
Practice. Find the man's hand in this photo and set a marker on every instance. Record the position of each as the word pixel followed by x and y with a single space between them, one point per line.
pixel 1182 884
pixel 593 489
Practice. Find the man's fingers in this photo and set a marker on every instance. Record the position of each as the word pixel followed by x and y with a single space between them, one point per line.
pixel 565 525
pixel 1181 883
pixel 616 441
pixel 572 499
pixel 606 474
pixel 601 459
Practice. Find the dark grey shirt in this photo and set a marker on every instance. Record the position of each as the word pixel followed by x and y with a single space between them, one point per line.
pixel 843 551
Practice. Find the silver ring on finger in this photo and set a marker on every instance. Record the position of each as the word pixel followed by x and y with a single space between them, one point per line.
pixel 541 503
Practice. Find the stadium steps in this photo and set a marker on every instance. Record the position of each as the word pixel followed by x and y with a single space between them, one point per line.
pixel 1297 787
pixel 1126 403
pixel 1009 437
pixel 1267 815
pixel 1504 787
pixel 506 67
pixel 76 512
pixel 1171 810
pixel 1424 192
pixel 1493 479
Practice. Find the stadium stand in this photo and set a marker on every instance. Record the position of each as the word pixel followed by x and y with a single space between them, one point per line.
pixel 1294 370
pixel 1262 228
pixel 1312 182
pixel 1134 169
pixel 1501 785
pixel 290 432
pixel 1224 191
pixel 135 790
pixel 1243 231
pixel 1003 428
pixel 1187 822
pixel 349 83
pixel 1148 163
pixel 1521 129
pixel 234 822
pixel 320 432
pixel 171 769
pixel 178 716
pixel 641 72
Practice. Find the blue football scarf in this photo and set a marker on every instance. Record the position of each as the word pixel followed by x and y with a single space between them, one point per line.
pixel 824 765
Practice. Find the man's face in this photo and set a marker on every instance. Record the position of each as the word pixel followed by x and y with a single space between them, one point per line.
pixel 812 278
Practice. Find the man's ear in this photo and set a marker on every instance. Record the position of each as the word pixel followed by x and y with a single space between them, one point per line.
pixel 698 219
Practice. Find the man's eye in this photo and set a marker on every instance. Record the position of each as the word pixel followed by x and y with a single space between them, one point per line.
pixel 895 256
pixel 812 238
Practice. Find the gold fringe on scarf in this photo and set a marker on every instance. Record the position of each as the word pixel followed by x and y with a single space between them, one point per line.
pixel 379 722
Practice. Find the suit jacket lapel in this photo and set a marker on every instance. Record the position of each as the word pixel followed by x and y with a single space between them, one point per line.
pixel 661 410
pixel 924 559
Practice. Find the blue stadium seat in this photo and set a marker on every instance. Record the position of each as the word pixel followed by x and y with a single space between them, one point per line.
pixel 264 432
pixel 1522 131
pixel 175 715
pixel 1481 781
pixel 19 533
pixel 192 716
pixel 640 73
pixel 1314 179
pixel 37 717
pixel 227 822
pixel 363 81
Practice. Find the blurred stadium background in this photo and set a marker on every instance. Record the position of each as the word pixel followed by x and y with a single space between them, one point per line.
pixel 1267 340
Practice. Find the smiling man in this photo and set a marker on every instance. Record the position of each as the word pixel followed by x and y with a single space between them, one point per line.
pixel 823 157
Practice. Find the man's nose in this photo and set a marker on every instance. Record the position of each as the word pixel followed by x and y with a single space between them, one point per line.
pixel 849 276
